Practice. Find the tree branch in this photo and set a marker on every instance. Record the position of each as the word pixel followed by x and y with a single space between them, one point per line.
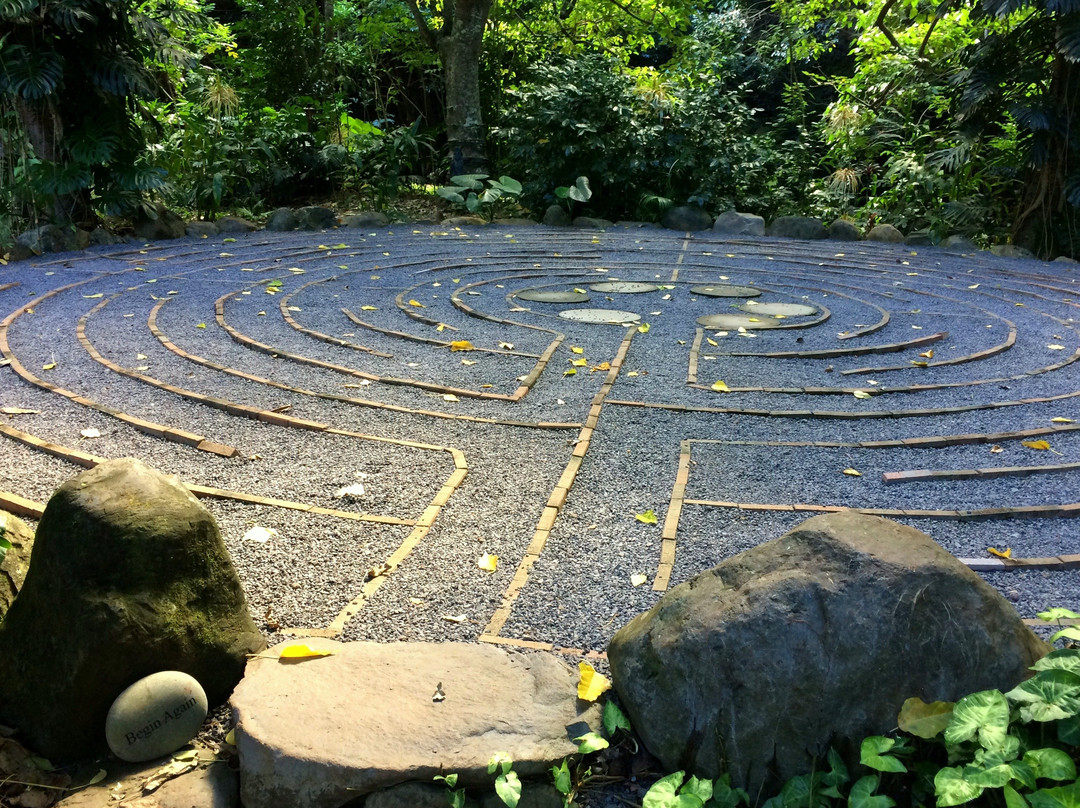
pixel 425 31
pixel 885 9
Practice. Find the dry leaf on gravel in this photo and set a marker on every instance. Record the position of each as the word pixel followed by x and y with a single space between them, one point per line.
pixel 1006 553
pixel 648 517
pixel 720 386
pixel 852 473
pixel 461 345
pixel 488 562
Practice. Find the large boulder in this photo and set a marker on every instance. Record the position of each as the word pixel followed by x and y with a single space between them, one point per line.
pixel 843 230
pixel 323 732
pixel 886 233
pixel 128 576
pixel 733 223
pixel 802 227
pixel 686 217
pixel 591 223
pixel 159 223
pixel 48 238
pixel 282 220
pixel 1011 251
pixel 235 224
pixel 366 218
pixel 17 542
pixel 956 242
pixel 201 229
pixel 556 216
pixel 756 666
pixel 315 217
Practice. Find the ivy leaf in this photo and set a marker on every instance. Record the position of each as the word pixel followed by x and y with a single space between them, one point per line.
pixel 1053 764
pixel 591 685
pixel 862 794
pixel 1048 696
pixel 508 787
pixel 984 715
pixel 591 742
pixel 1060 797
pixel 662 792
pixel 614 718
pixel 649 518
pixel 872 754
pixel 924 720
pixel 1058 613
pixel 561 775
pixel 951 788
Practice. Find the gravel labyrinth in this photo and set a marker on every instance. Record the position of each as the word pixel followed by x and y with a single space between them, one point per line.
pixel 271 371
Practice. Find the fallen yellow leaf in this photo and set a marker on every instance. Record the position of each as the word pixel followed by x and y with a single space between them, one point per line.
pixel 488 562
pixel 643 328
pixel 601 366
pixel 201 325
pixel 1062 421
pixel 450 397
pixel 852 473
pixel 369 308
pixel 1035 444
pixel 461 345
pixel 1006 553
pixel 441 327
pixel 928 354
pixel 579 363
pixel 1056 347
pixel 303 651
pixel 638 579
pixel 417 303
pixel 649 518
pixel 48 366
pixel 468 361
pixel 570 372
pixel 575 349
pixel 712 342
pixel 94 297
pixel 720 387
pixel 591 685
pixel 861 394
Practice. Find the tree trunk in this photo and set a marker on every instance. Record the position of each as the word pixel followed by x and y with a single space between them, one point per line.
pixel 459 49
pixel 1046 223
pixel 44 128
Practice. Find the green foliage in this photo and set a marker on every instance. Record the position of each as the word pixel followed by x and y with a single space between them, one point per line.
pixel 678 791
pixel 5 545
pixel 478 193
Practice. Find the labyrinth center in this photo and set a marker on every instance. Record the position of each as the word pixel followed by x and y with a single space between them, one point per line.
pixel 597 415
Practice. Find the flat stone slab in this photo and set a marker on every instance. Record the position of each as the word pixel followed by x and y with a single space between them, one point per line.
pixel 323 731
pixel 551 296
pixel 782 309
pixel 723 290
pixel 623 287
pixel 600 316
pixel 733 322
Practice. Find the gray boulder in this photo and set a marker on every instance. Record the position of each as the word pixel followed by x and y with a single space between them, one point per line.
pixel 48 239
pixel 375 701
pixel 556 216
pixel 590 222
pixel 515 221
pixel 201 229
pixel 15 561
pixel 1064 259
pixel 158 224
pixel 843 230
pixel 733 223
pixel 802 227
pixel 367 218
pixel 959 243
pixel 282 220
pixel 886 233
pixel 99 235
pixel 128 576
pixel 921 238
pixel 634 225
pixel 686 217
pixel 315 217
pixel 757 666
pixel 466 221
pixel 235 224
pixel 1011 251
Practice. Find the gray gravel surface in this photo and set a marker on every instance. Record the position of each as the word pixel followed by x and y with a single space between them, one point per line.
pixel 579 592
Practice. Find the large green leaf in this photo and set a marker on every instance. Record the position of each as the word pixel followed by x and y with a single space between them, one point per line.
pixel 662 793
pixel 924 720
pixel 614 718
pixel 580 191
pixel 1053 764
pixel 471 182
pixel 1064 658
pixel 561 775
pixel 1048 696
pixel 1067 633
pixel 702 789
pixel 983 715
pixel 872 754
pixel 451 194
pixel 1013 799
pixel 508 787
pixel 1058 614
pixel 508 185
pixel 862 794
pixel 591 742
pixel 1060 797
pixel 951 788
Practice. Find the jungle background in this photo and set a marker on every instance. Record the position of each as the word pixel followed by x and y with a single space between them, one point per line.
pixel 935 116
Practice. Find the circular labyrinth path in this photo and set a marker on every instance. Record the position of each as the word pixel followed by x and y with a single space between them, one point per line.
pixel 539 396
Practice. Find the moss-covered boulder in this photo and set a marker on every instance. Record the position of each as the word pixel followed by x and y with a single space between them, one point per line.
pixel 128 576
pixel 16 542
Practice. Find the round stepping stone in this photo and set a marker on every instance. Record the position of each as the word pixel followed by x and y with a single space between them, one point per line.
pixel 783 309
pixel 551 296
pixel 733 322
pixel 155 716
pixel 723 290
pixel 600 316
pixel 624 287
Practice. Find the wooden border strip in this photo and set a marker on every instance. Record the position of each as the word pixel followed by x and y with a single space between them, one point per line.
pixel 558 496
pixel 671 521
pixel 917 475
pixel 149 427
pixel 20 506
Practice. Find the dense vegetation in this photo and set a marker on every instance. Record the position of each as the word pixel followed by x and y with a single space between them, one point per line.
pixel 939 116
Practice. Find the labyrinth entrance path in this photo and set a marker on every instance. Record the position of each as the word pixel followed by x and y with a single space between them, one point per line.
pixel 457 377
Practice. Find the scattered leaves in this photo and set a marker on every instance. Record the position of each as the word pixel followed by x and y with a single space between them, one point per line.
pixel 570 372
pixel 369 308
pixel 350 491
pixel 450 397
pixel 461 345
pixel 928 354
pixel 720 387
pixel 488 562
pixel 1060 420
pixel 577 350
pixel 852 473
pixel 861 394
pixel 90 433
pixel 601 366
pixel 17 411
pixel 648 517
pixel 1006 553
pixel 591 685
pixel 417 304
pixel 201 325
pixel 638 579
pixel 712 342
pixel 1055 347
pixel 506 346
pixel 1035 444
pixel 454 618
pixel 94 297
pixel 48 366
pixel 643 328
pixel 260 534
pixel 468 362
